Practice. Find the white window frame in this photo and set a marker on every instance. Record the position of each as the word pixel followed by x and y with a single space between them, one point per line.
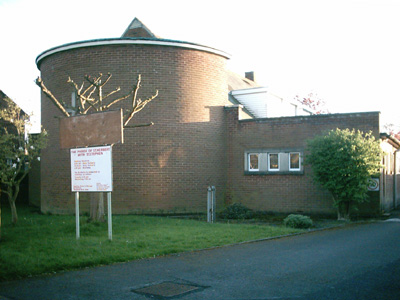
pixel 248 162
pixel 269 162
pixel 290 155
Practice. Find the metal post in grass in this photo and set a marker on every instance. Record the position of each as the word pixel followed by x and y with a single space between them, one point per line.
pixel 214 203
pixel 109 216
pixel 77 215
pixel 211 204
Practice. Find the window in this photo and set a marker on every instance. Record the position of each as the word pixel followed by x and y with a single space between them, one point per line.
pixel 273 161
pixel 265 161
pixel 253 162
pixel 73 99
pixel 294 161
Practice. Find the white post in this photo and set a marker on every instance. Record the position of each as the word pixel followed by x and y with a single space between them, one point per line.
pixel 77 215
pixel 109 216
pixel 209 204
pixel 214 204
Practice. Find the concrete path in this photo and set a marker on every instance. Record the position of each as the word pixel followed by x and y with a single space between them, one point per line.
pixel 354 262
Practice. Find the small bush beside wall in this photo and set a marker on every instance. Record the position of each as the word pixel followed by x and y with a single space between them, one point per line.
pixel 298 221
pixel 236 211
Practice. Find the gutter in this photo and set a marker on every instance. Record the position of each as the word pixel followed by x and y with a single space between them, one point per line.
pixel 129 41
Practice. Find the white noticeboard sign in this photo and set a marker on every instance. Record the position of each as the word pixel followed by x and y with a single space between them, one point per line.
pixel 91 169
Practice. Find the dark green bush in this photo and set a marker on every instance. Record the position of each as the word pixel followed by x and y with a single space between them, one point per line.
pixel 298 221
pixel 236 211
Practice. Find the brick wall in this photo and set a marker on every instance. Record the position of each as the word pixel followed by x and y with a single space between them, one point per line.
pixel 163 168
pixel 283 193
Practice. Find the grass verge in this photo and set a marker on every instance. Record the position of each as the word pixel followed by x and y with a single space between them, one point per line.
pixel 41 244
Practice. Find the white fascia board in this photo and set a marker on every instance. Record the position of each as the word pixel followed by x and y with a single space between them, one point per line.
pixel 257 90
pixel 106 42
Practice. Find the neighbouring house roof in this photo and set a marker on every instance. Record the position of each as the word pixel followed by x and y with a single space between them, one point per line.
pixel 391 139
pixel 261 103
pixel 238 82
pixel 3 102
pixel 3 105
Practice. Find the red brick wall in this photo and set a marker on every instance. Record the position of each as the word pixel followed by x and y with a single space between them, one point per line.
pixel 163 168
pixel 283 193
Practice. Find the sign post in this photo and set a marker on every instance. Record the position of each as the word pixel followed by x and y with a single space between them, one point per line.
pixel 77 215
pixel 91 167
pixel 109 216
pixel 91 171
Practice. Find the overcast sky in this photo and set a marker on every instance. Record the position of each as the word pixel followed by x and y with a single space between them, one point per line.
pixel 348 52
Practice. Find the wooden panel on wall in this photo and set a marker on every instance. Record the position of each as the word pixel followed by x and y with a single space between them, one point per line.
pixel 102 128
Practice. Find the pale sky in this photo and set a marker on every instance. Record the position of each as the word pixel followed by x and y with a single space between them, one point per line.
pixel 346 51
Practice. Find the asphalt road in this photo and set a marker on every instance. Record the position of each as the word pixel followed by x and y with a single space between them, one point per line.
pixel 354 262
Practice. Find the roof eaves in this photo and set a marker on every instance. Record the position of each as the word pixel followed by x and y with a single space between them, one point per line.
pixel 391 139
pixel 236 101
pixel 129 40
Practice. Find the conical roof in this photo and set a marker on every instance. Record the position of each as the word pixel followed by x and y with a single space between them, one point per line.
pixel 137 29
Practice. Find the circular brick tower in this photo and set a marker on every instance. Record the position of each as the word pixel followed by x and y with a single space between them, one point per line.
pixel 163 168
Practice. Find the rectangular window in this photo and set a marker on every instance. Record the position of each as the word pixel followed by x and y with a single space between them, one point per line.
pixel 294 161
pixel 254 163
pixel 73 99
pixel 273 161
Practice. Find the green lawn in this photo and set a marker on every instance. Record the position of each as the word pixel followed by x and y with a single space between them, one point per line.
pixel 47 243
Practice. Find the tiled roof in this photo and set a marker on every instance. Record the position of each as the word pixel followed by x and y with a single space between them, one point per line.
pixel 238 82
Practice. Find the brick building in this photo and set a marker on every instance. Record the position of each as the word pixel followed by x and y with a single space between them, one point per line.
pixel 278 180
pixel 198 138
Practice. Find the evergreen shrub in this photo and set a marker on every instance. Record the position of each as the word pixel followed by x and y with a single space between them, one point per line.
pixel 298 221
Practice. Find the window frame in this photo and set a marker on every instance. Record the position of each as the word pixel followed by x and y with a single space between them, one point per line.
pixel 249 164
pixel 269 162
pixel 290 161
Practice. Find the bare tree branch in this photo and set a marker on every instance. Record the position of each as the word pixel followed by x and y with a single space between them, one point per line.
pixel 114 91
pixel 138 107
pixel 139 80
pixel 109 75
pixel 119 99
pixel 57 103
pixel 95 80
pixel 87 100
pixel 139 125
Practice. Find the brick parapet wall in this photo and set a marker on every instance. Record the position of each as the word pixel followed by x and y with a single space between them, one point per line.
pixel 283 193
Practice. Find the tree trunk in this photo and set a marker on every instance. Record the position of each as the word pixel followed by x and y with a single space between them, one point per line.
pixel 343 211
pixel 12 196
pixel 14 214
pixel 96 207
pixel 100 208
